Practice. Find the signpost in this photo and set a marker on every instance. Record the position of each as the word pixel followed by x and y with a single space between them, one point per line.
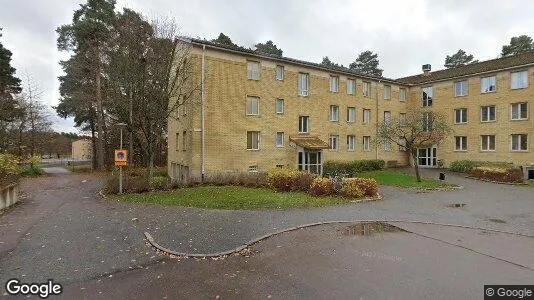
pixel 121 158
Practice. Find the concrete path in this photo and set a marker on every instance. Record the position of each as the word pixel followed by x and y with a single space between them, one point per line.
pixel 65 231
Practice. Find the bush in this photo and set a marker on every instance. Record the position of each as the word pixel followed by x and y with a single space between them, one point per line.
pixel 285 180
pixel 32 171
pixel 368 186
pixel 321 187
pixel 335 168
pixel 9 169
pixel 351 188
pixel 463 166
pixel 158 183
pixel 255 180
pixel 498 174
pixel 130 185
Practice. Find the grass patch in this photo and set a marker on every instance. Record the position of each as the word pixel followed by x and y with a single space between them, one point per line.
pixel 79 169
pixel 403 180
pixel 232 197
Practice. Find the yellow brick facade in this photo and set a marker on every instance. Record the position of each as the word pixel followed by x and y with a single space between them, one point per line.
pixel 226 88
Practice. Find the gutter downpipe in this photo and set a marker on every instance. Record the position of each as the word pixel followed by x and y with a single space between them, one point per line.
pixel 202 133
pixel 376 122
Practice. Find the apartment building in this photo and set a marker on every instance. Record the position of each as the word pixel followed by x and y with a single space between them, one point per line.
pixel 254 112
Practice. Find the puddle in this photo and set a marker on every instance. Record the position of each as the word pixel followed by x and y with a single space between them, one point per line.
pixel 370 228
pixel 456 205
pixel 500 221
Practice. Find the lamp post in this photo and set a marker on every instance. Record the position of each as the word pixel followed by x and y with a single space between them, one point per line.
pixel 120 125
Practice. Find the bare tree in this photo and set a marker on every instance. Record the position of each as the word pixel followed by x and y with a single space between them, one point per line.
pixel 420 129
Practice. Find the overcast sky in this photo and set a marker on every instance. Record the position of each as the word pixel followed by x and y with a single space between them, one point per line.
pixel 405 34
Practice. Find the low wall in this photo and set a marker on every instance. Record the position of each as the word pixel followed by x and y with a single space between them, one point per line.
pixel 9 195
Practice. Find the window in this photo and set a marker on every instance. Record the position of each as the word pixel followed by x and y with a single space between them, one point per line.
pixel 351 114
pixel 461 143
pixel 460 116
pixel 460 88
pixel 387 145
pixel 253 169
pixel 334 113
pixel 427 122
pixel 351 87
pixel 487 142
pixel 253 70
pixel 402 144
pixel 351 142
pixel 253 106
pixel 519 111
pixel 487 113
pixel 334 84
pixel 280 106
pixel 253 140
pixel 387 92
pixel 519 142
pixel 366 116
pixel 279 72
pixel 366 89
pixel 184 140
pixel 333 142
pixel 426 94
pixel 488 84
pixel 402 94
pixel 280 166
pixel 303 84
pixel 304 124
pixel 279 139
pixel 177 142
pixel 366 143
pixel 387 117
pixel 519 80
pixel 402 119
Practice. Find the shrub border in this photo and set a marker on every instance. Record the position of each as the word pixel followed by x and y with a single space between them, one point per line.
pixel 497 182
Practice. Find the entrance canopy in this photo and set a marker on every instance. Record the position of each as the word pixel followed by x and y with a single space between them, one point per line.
pixel 309 142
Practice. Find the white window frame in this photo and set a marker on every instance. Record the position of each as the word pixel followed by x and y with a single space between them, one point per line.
pixel 366 143
pixel 351 114
pixel 427 91
pixel 252 133
pixel 279 72
pixel 351 86
pixel 387 117
pixel 402 119
pixel 279 140
pixel 402 144
pixel 487 139
pixel 519 111
pixel 333 142
pixel 279 112
pixel 464 88
pixel 351 143
pixel 253 70
pixel 518 80
pixel 402 94
pixel 519 137
pixel 303 84
pixel 250 106
pixel 485 112
pixel 334 84
pixel 334 113
pixel 387 92
pixel 304 121
pixel 488 84
pixel 366 91
pixel 387 145
pixel 463 113
pixel 463 143
pixel 366 116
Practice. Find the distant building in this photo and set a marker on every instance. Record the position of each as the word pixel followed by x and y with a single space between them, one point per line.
pixel 82 149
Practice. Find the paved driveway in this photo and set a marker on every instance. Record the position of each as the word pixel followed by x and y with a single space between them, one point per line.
pixel 66 232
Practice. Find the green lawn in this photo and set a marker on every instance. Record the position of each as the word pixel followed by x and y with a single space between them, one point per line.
pixel 403 180
pixel 232 197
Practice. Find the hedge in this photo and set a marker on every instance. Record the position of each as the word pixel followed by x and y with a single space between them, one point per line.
pixel 335 168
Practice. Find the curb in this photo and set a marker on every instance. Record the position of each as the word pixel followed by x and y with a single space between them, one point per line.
pixel 244 246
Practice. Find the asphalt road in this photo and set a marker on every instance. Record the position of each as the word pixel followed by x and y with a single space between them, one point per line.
pixel 95 248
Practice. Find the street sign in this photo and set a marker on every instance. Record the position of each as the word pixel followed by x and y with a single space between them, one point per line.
pixel 121 157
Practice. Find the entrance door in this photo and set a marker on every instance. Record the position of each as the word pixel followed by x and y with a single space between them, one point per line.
pixel 310 161
pixel 427 157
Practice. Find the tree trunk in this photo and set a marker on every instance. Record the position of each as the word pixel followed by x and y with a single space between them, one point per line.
pixel 416 165
pixel 99 118
pixel 130 146
pixel 93 144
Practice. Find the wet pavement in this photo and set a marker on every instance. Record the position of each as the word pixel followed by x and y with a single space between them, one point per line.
pixel 65 231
